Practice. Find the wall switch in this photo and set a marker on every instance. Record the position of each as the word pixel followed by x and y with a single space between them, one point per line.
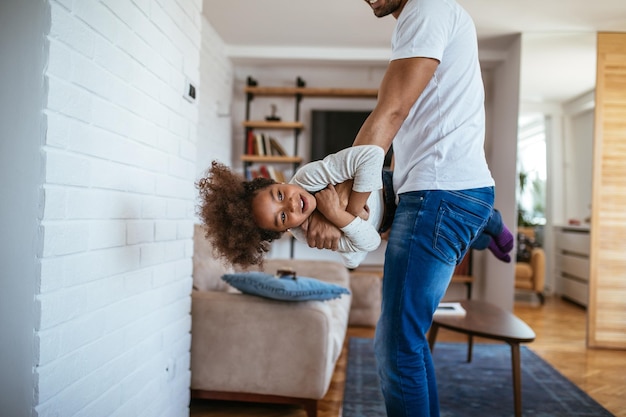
pixel 189 93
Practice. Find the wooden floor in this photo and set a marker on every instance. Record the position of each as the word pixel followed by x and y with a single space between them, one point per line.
pixel 560 329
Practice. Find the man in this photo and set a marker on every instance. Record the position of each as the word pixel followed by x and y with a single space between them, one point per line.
pixel 431 106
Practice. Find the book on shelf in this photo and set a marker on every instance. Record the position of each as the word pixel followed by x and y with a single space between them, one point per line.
pixel 250 145
pixel 272 172
pixel 276 148
pixel 260 144
pixel 265 172
pixel 450 309
pixel 266 144
pixel 263 145
pixel 280 176
pixel 269 171
pixel 276 174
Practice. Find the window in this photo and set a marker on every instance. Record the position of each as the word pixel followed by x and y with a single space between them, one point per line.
pixel 531 169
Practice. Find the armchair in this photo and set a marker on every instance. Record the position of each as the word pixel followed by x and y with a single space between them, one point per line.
pixel 531 275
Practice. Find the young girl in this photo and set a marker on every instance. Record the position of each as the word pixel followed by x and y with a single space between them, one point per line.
pixel 227 201
pixel 276 208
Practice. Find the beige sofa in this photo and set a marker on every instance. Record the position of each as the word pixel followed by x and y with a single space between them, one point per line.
pixel 248 348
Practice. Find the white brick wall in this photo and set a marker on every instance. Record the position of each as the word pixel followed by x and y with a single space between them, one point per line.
pixel 121 157
pixel 215 121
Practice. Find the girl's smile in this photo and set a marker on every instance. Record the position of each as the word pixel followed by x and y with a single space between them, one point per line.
pixel 282 206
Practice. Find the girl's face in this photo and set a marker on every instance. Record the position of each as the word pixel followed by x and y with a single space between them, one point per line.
pixel 282 206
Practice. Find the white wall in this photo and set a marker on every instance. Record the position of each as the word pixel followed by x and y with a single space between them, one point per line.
pixel 22 33
pixel 578 157
pixel 569 142
pixel 113 337
pixel 215 96
pixel 103 150
pixel 495 279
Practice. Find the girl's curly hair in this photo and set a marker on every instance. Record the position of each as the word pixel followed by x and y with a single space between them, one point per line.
pixel 226 210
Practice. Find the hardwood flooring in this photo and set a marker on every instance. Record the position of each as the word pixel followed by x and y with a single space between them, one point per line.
pixel 560 327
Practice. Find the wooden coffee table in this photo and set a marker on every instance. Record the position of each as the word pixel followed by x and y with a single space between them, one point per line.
pixel 491 322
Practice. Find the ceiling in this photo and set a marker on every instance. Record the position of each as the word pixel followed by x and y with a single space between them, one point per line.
pixel 558 36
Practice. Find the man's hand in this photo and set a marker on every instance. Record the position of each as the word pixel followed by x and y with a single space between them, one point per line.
pixel 322 234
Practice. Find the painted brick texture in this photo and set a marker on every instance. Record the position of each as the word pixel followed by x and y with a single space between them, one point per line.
pixel 215 120
pixel 121 159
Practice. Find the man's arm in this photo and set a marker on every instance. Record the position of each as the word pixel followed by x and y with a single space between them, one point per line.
pixel 403 83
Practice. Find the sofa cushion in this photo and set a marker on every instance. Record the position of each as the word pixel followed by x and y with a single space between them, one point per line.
pixel 366 290
pixel 207 268
pixel 286 288
pixel 523 272
pixel 334 272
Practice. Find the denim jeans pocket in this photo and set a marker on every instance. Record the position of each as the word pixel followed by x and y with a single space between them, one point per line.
pixel 459 220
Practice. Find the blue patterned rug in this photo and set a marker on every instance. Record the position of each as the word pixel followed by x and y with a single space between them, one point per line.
pixel 482 387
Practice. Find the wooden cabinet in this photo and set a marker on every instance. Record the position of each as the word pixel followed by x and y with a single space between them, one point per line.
pixel 607 295
pixel 572 263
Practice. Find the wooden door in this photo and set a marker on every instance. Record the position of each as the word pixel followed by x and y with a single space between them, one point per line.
pixel 607 286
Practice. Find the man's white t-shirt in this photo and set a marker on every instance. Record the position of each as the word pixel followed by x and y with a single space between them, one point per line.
pixel 440 144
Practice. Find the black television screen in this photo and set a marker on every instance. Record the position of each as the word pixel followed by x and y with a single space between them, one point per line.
pixel 333 130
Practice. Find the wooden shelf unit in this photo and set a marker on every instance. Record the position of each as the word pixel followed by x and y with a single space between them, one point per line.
pixel 263 124
pixel 271 159
pixel 297 92
pixel 250 126
pixel 313 92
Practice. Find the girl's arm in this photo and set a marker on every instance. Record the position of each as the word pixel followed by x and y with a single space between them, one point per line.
pixel 362 164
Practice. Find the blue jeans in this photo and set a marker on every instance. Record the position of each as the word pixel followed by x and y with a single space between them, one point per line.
pixel 493 228
pixel 432 231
